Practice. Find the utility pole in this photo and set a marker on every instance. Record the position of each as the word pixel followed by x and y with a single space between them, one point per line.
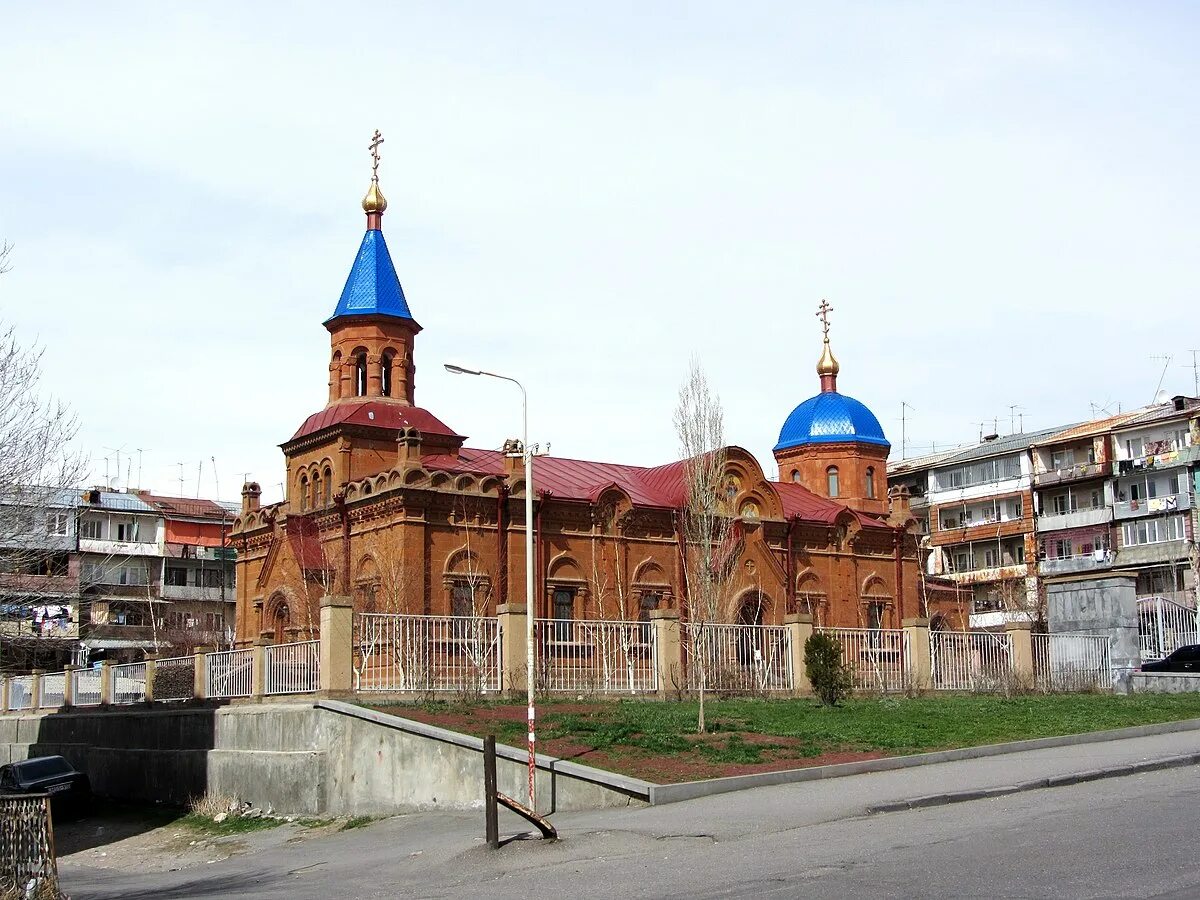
pixel 1195 367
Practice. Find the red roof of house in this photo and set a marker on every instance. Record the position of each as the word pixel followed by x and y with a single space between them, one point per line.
pixel 658 486
pixel 187 507
pixel 378 415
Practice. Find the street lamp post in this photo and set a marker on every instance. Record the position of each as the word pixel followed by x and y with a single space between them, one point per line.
pixel 527 455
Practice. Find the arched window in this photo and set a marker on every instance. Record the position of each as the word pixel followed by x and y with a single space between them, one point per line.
pixel 327 497
pixel 316 489
pixel 303 492
pixel 360 375
pixel 385 374
pixel 870 483
pixel 831 476
pixel 795 476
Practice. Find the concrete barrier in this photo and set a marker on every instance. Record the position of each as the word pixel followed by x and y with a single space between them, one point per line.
pixel 1164 682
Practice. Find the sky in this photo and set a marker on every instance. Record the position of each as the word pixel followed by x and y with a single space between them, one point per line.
pixel 998 200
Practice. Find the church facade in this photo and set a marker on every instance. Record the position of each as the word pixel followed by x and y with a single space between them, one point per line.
pixel 388 505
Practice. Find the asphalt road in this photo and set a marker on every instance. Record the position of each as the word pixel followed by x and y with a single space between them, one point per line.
pixel 1133 836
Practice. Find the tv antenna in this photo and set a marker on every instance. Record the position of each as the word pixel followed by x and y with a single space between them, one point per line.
pixel 1012 417
pixel 1195 367
pixel 904 406
pixel 1166 358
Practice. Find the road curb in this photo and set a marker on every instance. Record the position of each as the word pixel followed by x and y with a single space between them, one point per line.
pixel 1038 784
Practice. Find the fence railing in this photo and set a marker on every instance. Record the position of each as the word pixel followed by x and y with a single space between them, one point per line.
pixel 127 683
pixel 20 692
pixel 738 658
pixel 1164 626
pixel 878 657
pixel 229 673
pixel 419 654
pixel 592 656
pixel 27 864
pixel 1072 662
pixel 292 668
pixel 175 678
pixel 87 687
pixel 54 690
pixel 970 660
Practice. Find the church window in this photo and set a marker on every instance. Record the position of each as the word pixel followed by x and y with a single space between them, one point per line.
pixel 327 484
pixel 649 600
pixel 563 612
pixel 831 475
pixel 795 476
pixel 870 483
pixel 360 375
pixel 303 492
pixel 385 374
pixel 875 615
pixel 316 490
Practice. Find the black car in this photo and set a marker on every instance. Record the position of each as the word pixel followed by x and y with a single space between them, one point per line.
pixel 1185 659
pixel 68 789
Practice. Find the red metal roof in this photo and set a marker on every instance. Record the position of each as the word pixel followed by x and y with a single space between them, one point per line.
pixel 378 415
pixel 186 507
pixel 658 486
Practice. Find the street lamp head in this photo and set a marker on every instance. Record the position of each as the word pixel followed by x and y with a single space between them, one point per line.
pixel 459 370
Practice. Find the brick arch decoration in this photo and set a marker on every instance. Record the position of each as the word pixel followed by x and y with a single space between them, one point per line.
pixel 277 615
pixel 811 596
pixel 650 580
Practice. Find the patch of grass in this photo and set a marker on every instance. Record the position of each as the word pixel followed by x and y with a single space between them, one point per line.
pixel 230 826
pixel 358 822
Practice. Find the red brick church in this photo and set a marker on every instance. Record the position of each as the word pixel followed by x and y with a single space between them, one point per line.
pixel 389 505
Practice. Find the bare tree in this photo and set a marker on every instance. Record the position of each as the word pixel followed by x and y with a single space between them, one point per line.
pixel 707 526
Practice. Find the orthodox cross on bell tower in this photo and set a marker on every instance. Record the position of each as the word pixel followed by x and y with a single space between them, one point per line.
pixel 823 312
pixel 376 140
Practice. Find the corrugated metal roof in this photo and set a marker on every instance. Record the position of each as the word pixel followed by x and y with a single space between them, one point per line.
pixel 1009 443
pixel 121 502
pixel 374 414
pixel 372 287
pixel 1163 412
pixel 1088 429
pixel 189 507
pixel 916 463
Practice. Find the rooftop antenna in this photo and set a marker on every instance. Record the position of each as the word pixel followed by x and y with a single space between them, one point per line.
pixel 199 472
pixel 904 427
pixel 1195 367
pixel 216 480
pixel 1012 415
pixel 180 478
pixel 1166 362
pixel 139 450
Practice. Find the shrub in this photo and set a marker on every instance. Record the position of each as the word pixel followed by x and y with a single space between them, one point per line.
pixel 831 679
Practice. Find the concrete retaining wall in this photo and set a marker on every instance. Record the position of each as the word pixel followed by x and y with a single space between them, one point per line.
pixel 1166 682
pixel 323 758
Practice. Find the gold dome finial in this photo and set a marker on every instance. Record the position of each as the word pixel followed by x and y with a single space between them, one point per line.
pixel 374 203
pixel 827 365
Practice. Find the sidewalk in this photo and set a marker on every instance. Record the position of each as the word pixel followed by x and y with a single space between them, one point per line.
pixel 423 854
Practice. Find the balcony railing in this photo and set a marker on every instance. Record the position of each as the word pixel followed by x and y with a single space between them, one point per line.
pixel 989 573
pixel 194 592
pixel 1132 509
pixel 1083 562
pixel 120 548
pixel 1079 518
pixel 1077 472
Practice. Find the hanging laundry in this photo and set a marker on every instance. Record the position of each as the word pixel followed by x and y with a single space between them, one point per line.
pixel 1156 504
pixel 1170 503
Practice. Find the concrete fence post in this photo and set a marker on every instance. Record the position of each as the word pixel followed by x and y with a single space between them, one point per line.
pixel 37 687
pixel 68 684
pixel 337 644
pixel 258 668
pixel 920 668
pixel 151 669
pixel 105 682
pixel 512 646
pixel 1021 636
pixel 800 629
pixel 200 677
pixel 668 650
pixel 4 694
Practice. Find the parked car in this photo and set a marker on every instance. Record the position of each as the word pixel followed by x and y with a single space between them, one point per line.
pixel 68 788
pixel 1185 659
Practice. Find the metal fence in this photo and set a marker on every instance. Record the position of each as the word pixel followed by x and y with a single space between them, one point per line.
pixel 292 668
pixel 54 690
pixel 229 673
pixel 1164 626
pixel 404 653
pixel 970 660
pixel 27 864
pixel 175 678
pixel 87 687
pixel 592 656
pixel 20 692
pixel 878 657
pixel 127 683
pixel 1072 662
pixel 738 659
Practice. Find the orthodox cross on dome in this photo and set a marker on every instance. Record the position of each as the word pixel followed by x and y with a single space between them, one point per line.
pixel 823 312
pixel 376 140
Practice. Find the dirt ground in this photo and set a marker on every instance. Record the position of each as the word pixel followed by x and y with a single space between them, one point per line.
pixel 155 839
pixel 659 768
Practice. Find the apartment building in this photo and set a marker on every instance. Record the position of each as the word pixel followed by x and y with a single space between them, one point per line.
pixel 1011 513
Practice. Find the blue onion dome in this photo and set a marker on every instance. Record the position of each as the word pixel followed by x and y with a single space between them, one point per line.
pixel 830 418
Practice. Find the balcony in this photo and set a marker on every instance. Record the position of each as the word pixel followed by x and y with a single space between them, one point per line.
pixel 1077 472
pixel 1069 565
pixel 192 592
pixel 1080 518
pixel 998 618
pixel 1162 553
pixel 983 576
pixel 977 531
pixel 119 548
pixel 1133 509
